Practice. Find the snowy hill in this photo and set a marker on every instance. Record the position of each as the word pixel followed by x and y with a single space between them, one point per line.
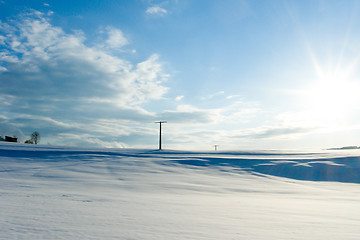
pixel 73 193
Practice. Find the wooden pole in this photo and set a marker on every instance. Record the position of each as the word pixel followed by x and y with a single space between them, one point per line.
pixel 160 122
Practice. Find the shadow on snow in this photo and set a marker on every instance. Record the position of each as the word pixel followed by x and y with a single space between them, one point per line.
pixel 289 165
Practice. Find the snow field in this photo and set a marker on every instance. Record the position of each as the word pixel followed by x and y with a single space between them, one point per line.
pixel 65 193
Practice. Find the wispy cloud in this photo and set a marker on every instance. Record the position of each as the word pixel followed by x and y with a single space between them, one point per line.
pixel 156 10
pixel 233 96
pixel 210 96
pixel 273 132
pixel 185 114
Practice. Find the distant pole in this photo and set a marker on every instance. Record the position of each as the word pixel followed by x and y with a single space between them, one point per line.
pixel 216 146
pixel 160 122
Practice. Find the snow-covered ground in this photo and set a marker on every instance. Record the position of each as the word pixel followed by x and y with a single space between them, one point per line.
pixel 71 193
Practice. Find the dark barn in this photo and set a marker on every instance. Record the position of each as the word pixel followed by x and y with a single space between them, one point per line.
pixel 10 139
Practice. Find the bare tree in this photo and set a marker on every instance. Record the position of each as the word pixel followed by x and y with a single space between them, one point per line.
pixel 35 137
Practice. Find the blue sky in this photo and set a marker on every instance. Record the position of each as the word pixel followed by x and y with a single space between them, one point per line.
pixel 240 74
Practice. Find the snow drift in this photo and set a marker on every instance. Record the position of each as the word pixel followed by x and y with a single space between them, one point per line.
pixel 72 193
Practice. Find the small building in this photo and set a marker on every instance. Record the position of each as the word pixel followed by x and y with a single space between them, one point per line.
pixel 10 139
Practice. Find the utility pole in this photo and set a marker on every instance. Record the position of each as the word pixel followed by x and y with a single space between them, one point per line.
pixel 160 122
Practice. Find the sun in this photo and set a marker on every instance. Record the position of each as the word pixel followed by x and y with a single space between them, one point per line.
pixel 332 97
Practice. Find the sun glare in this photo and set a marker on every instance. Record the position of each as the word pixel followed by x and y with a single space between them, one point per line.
pixel 332 98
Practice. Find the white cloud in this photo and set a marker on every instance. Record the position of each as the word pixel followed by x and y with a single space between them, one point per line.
pixel 7 57
pixel 50 74
pixel 2 39
pixel 116 38
pixel 179 98
pixel 156 10
pixel 55 64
